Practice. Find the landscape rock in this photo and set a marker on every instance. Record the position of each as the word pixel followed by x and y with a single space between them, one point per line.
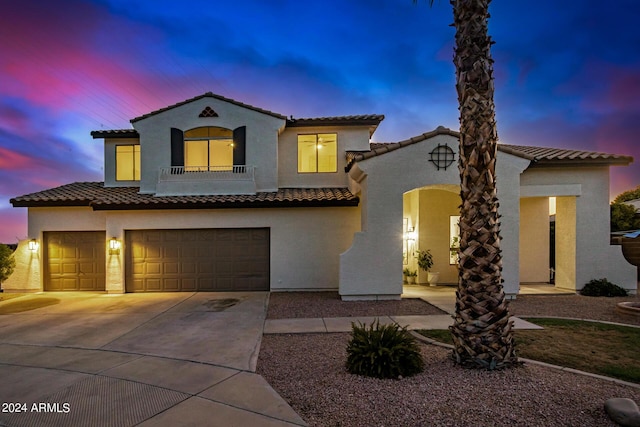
pixel 623 411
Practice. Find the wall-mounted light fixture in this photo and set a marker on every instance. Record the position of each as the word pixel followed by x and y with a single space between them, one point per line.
pixel 114 246
pixel 410 235
pixel 34 245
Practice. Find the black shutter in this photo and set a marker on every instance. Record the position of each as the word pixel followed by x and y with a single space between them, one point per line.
pixel 239 146
pixel 177 147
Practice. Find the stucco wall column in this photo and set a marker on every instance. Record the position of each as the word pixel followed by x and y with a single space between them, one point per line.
pixel 534 239
pixel 566 242
pixel 114 271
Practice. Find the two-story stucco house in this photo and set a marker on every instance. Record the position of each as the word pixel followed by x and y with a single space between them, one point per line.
pixel 211 194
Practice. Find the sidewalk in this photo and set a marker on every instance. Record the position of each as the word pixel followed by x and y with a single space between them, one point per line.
pixel 442 297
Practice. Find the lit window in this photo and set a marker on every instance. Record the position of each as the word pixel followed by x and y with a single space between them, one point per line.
pixel 208 149
pixel 127 162
pixel 318 153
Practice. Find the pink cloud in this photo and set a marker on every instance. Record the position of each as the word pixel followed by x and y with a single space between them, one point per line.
pixel 12 160
pixel 78 57
pixel 14 225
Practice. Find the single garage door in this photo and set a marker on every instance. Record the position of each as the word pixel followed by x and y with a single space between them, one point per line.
pixel 74 260
pixel 235 259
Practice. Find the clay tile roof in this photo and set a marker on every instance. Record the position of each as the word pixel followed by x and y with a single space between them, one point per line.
pixel 543 156
pixel 371 120
pixel 209 95
pixel 95 195
pixel 115 133
pixel 360 120
pixel 539 156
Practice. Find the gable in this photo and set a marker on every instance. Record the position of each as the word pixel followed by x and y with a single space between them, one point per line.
pixel 206 111
pixel 538 156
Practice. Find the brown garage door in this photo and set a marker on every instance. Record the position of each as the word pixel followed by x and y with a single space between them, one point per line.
pixel 74 260
pixel 234 259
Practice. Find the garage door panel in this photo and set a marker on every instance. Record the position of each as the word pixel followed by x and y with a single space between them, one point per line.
pixel 152 251
pixel 189 285
pixel 205 284
pixel 197 260
pixel 152 284
pixel 224 268
pixel 206 269
pixel 189 268
pixel 171 268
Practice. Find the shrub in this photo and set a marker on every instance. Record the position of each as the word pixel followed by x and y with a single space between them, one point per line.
pixel 602 288
pixel 7 262
pixel 383 351
pixel 425 259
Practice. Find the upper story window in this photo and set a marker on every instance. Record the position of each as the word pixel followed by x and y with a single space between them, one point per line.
pixel 128 162
pixel 318 153
pixel 208 148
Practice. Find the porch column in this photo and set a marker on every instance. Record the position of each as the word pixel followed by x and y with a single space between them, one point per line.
pixel 566 242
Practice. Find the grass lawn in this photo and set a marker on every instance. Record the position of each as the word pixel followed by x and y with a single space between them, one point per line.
pixel 598 348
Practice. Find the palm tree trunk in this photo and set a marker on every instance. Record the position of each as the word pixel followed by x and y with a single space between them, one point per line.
pixel 482 332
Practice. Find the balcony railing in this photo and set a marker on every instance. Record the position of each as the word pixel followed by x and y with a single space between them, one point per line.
pixel 207 173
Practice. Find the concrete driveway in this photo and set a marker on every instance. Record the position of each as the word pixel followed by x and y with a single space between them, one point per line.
pixel 71 359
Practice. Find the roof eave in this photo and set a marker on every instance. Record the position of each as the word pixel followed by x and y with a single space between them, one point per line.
pixel 119 134
pixel 228 205
pixel 49 204
pixel 551 163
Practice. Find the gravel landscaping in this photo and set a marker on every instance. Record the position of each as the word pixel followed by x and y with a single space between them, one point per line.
pixel 295 305
pixel 308 371
pixel 573 306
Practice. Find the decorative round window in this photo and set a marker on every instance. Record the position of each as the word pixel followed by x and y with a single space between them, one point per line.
pixel 442 156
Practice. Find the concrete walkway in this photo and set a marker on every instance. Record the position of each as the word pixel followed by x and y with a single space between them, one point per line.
pixel 88 359
pixel 442 297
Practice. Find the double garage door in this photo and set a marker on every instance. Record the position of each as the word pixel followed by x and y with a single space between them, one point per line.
pixel 162 260
pixel 197 260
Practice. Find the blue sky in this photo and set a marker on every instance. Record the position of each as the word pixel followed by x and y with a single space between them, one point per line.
pixel 566 76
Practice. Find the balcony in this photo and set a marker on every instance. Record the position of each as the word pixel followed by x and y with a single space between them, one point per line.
pixel 206 180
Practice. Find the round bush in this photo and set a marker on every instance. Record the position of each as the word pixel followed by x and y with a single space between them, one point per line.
pixel 602 288
pixel 383 351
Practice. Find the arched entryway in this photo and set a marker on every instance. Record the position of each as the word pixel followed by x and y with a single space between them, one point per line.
pixel 430 217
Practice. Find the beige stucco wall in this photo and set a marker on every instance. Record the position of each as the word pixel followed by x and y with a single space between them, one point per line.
pixel 349 139
pixel 534 239
pixel 436 208
pixel 305 242
pixel 261 138
pixel 26 276
pixel 583 193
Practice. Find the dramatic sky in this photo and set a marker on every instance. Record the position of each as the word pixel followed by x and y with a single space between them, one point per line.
pixel 567 73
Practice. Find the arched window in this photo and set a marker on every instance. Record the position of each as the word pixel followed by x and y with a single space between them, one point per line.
pixel 208 148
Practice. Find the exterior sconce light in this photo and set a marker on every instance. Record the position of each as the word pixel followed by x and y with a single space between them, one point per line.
pixel 33 245
pixel 114 246
pixel 410 235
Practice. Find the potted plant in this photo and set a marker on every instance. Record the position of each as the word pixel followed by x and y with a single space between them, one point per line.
pixel 425 262
pixel 412 277
pixel 405 275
